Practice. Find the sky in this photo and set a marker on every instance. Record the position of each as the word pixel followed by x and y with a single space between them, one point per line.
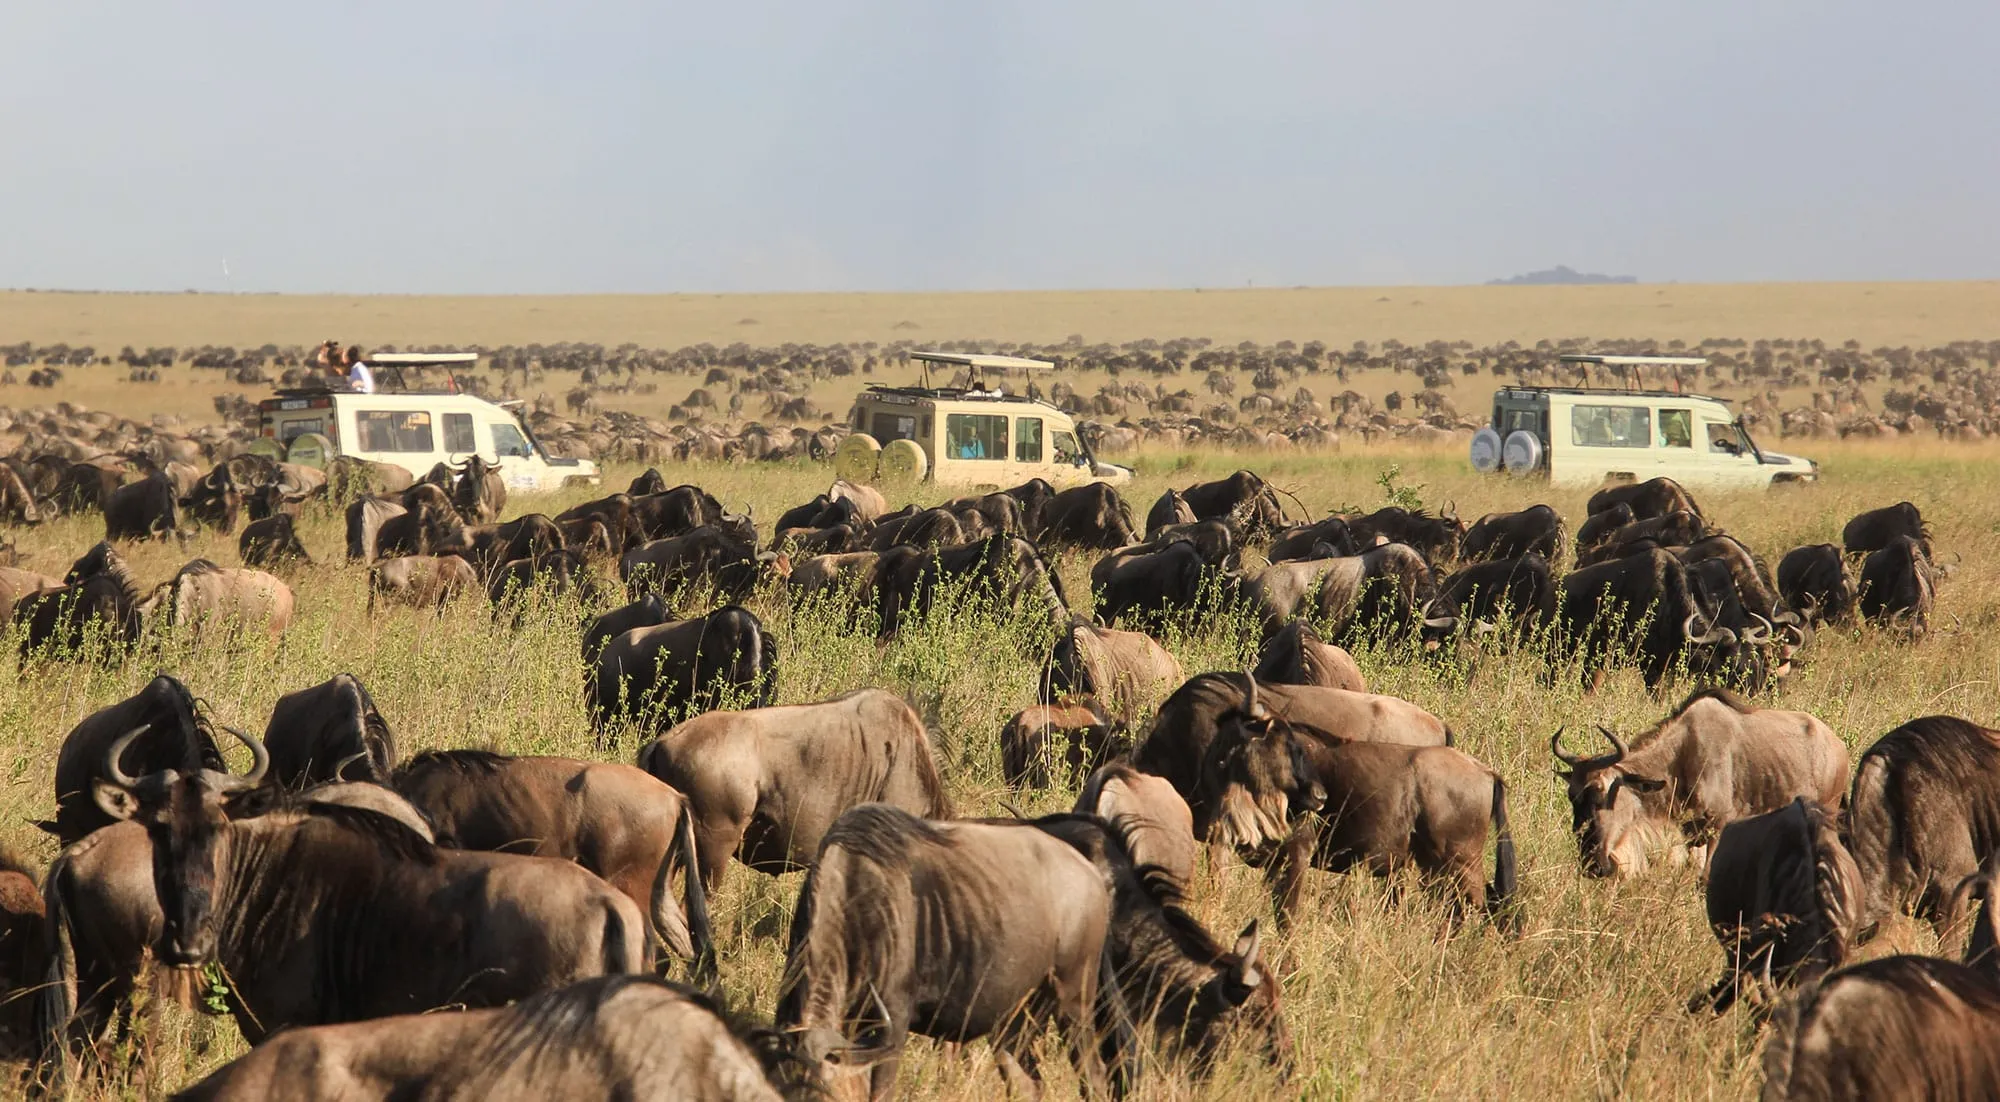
pixel 512 147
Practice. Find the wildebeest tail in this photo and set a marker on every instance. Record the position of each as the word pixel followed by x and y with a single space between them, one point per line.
pixel 1835 893
pixel 1117 1036
pixel 1500 895
pixel 1871 830
pixel 700 949
pixel 623 951
pixel 55 1003
pixel 1782 1047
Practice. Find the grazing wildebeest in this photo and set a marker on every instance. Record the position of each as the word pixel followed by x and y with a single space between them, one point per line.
pixel 898 914
pixel 422 581
pixel 146 509
pixel 1386 588
pixel 1006 570
pixel 1924 816
pixel 1815 580
pixel 625 1037
pixel 206 598
pixel 1242 495
pixel 548 575
pixel 1149 583
pixel 1715 759
pixel 653 674
pixel 365 517
pixel 1295 655
pixel 1333 803
pixel 619 822
pixel 1878 528
pixel 1158 827
pixel 1172 508
pixel 824 575
pixel 17 504
pixel 428 520
pixel 806 515
pixel 1598 526
pixel 99 598
pixel 868 501
pixel 1434 537
pixel 648 611
pixel 731 563
pixel 927 528
pixel 1536 530
pixel 1091 516
pixel 481 491
pixel 1783 899
pixel 1520 591
pixel 174 736
pixel 766 784
pixel 1655 497
pixel 1313 541
pixel 614 513
pixel 988 514
pixel 1127 671
pixel 82 487
pixel 1897 588
pixel 1642 603
pixel 1676 529
pixel 839 539
pixel 1075 731
pixel 272 541
pixel 331 731
pixel 679 511
pixel 1036 495
pixel 1747 575
pixel 490 546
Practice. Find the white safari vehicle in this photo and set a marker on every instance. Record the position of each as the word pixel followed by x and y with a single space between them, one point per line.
pixel 412 428
pixel 971 436
pixel 1588 436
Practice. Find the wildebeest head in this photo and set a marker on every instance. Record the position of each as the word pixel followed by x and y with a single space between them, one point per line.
pixel 1606 809
pixel 1257 777
pixel 185 813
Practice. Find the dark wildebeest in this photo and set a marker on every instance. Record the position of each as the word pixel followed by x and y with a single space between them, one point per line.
pixel 1751 580
pixel 365 517
pixel 614 513
pixel 679 511
pixel 617 821
pixel 648 611
pixel 142 510
pixel 1901 1027
pixel 651 481
pixel 1655 497
pixel 480 494
pixel 897 914
pixel 1242 496
pixel 1897 588
pixel 1158 827
pixel 490 546
pixel 765 785
pixel 99 598
pixel 1075 732
pixel 1676 529
pixel 422 581
pixel 272 541
pixel 428 521
pixel 329 732
pixel 1295 655
pixel 206 598
pixel 23 955
pixel 725 556
pixel 838 539
pixel 1337 804
pixel 1388 588
pixel 1314 541
pixel 1090 516
pixel 926 528
pixel 651 675
pixel 1434 537
pixel 16 584
pixel 1128 671
pixel 1815 580
pixel 1147 584
pixel 1172 508
pixel 626 1037
pixel 1878 528
pixel 215 500
pixel 548 575
pixel 173 736
pixel 82 487
pixel 988 514
pixel 1643 604
pixel 1783 899
pixel 1924 816
pixel 1036 495
pixel 1520 591
pixel 806 515
pixel 1006 570
pixel 1536 530
pixel 1717 758
pixel 1598 526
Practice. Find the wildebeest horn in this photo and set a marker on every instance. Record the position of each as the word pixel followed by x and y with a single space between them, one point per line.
pixel 1789 618
pixel 1443 623
pixel 260 758
pixel 1250 706
pixel 1712 635
pixel 1617 744
pixel 340 768
pixel 112 772
pixel 1556 748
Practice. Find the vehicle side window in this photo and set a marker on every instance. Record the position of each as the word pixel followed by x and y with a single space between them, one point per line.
pixel 1027 440
pixel 1676 428
pixel 507 440
pixel 893 426
pixel 1722 438
pixel 458 437
pixel 394 430
pixel 1611 427
pixel 975 436
pixel 1067 450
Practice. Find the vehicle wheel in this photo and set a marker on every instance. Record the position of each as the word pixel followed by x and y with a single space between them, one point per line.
pixel 855 459
pixel 1486 450
pixel 311 450
pixel 903 461
pixel 1522 453
pixel 266 448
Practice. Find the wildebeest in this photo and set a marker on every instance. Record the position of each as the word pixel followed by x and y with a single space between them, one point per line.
pixel 365 517
pixel 1815 580
pixel 1878 528
pixel 99 598
pixel 1643 604
pixel 1519 590
pixel 16 584
pixel 547 575
pixel 1434 536
pixel 1337 804
pixel 272 541
pixel 1897 587
pixel 428 520
pixel 1306 541
pixel 1536 530
pixel 619 822
pixel 1075 731
pixel 173 735
pixel 1149 583
pixel 1597 526
pixel 23 954
pixel 215 500
pixel 677 511
pixel 1924 816
pixel 653 673
pixel 145 509
pixel 723 556
pixel 331 731
pixel 1243 495
pixel 1295 655
pixel 898 913
pixel 1715 759
pixel 627 1037
pixel 1127 671
pixel 825 575
pixel 1676 529
pixel 614 513
pixel 1388 588
pixel 1655 497
pixel 1783 899
pixel 1172 508
pixel 489 546
pixel 423 581
pixel 205 597
pixel 17 503
pixel 919 528
pixel 648 611
pixel 480 492
pixel 1748 577
pixel 1006 570
pixel 765 785
pixel 1091 516
pixel 1158 827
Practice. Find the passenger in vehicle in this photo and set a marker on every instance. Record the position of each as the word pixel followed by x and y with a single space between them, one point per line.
pixel 360 378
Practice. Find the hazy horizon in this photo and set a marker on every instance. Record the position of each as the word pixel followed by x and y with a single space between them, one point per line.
pixel 630 148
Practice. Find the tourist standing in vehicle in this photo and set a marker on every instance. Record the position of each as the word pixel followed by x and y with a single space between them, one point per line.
pixel 360 378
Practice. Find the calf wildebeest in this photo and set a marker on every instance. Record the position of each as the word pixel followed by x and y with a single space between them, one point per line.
pixel 1149 583
pixel 146 509
pixel 648 611
pixel 1715 759
pixel 1003 569
pixel 1815 580
pixel 480 494
pixel 1337 804
pixel 1655 497
pixel 99 598
pixel 1897 588
pixel 1127 671
pixel 1295 655
pixel 1676 529
pixel 1597 526
pixel 1307 541
pixel 1075 731
pixel 1924 816
pixel 1520 591
pixel 422 581
pixel 1387 589
pixel 1903 1027
pixel 331 731
pixel 1536 530
pixel 731 563
pixel 626 1037
pixel 272 541
pixel 766 784
pixel 1156 822
pixel 898 914
pixel 1642 604
pixel 1878 528
pixel 652 674
pixel 173 735
pixel 619 822
pixel 1435 537
pixel 365 517
pixel 1091 516
pixel 204 597
pixel 1783 899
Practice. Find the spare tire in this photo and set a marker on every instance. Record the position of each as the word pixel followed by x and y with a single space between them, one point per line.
pixel 1522 453
pixel 903 461
pixel 311 449
pixel 267 448
pixel 1486 450
pixel 854 460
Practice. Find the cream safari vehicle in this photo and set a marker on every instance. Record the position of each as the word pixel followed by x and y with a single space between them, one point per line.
pixel 1582 436
pixel 412 427
pixel 972 436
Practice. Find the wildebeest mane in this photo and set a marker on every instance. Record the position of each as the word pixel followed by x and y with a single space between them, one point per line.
pixel 1156 885
pixel 877 834
pixel 466 763
pixel 1735 701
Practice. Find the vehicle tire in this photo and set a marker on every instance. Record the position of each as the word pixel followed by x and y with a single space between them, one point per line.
pixel 266 448
pixel 310 449
pixel 856 457
pixel 1486 450
pixel 1522 453
pixel 903 461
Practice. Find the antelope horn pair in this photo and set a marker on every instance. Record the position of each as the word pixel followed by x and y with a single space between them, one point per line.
pixel 260 758
pixel 1583 764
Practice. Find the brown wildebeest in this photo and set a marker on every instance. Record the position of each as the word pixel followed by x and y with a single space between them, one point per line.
pixel 17 505
pixel 614 820
pixel 329 732
pixel 1075 732
pixel 954 931
pixel 480 492
pixel 1127 671
pixel 1924 816
pixel 1158 827
pixel 271 541
pixel 630 1037
pixel 1379 806
pixel 1902 1027
pixel 23 955
pixel 16 583
pixel 767 784
pixel 1295 655
pixel 1655 497
pixel 1717 758
pixel 649 675
pixel 207 598
pixel 829 574
pixel 1388 587
pixel 421 581
pixel 175 736
pixel 1783 899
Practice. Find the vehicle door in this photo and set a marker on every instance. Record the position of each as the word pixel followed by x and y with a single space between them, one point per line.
pixel 520 467
pixel 1673 444
pixel 1730 460
pixel 1031 449
pixel 1068 463
pixel 1609 441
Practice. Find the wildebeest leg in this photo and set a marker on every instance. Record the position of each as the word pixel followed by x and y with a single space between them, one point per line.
pixel 1014 1052
pixel 1286 873
pixel 716 840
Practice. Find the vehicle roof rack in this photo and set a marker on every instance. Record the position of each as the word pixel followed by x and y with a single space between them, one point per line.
pixel 1628 361
pixel 1613 391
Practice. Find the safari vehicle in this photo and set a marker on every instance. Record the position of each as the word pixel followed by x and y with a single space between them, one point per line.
pixel 974 435
pixel 412 427
pixel 1588 436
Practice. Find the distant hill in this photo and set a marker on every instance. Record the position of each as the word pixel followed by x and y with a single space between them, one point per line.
pixel 1558 275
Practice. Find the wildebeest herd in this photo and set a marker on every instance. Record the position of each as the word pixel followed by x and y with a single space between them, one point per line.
pixel 337 889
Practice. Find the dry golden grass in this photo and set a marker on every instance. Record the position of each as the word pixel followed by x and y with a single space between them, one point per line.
pixel 1381 1002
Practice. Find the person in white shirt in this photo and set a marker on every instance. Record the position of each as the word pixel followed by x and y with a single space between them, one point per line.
pixel 359 378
